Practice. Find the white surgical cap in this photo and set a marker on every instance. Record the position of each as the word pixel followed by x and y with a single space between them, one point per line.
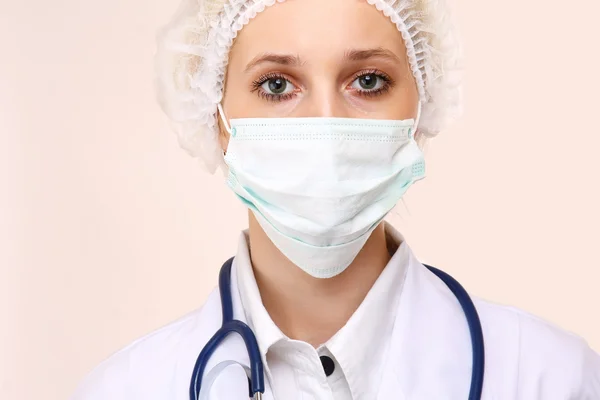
pixel 192 53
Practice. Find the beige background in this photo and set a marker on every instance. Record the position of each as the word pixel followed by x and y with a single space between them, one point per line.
pixel 108 230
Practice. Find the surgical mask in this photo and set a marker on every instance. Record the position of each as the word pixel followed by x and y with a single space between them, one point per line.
pixel 318 187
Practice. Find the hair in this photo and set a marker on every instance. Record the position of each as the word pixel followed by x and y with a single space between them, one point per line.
pixel 193 49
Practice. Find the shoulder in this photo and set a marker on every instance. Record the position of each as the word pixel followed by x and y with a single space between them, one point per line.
pixel 151 366
pixel 539 359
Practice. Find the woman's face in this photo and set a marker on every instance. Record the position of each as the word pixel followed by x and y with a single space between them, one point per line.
pixel 319 58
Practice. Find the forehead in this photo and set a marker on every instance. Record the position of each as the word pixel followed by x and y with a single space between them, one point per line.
pixel 318 28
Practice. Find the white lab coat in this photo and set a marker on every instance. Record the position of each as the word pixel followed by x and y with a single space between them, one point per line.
pixel 430 354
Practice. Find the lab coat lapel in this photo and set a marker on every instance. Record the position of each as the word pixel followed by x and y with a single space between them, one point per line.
pixel 430 353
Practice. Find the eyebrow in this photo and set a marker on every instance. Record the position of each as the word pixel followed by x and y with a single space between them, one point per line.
pixel 295 61
pixel 379 52
pixel 282 59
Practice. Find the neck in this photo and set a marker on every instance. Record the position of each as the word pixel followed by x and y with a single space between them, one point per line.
pixel 307 308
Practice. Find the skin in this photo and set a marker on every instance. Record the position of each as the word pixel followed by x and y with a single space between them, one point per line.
pixel 323 58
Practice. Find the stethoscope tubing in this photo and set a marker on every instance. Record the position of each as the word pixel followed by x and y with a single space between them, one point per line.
pixel 475 330
pixel 229 325
pixel 256 379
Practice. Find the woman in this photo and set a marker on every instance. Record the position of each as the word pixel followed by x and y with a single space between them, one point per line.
pixel 317 111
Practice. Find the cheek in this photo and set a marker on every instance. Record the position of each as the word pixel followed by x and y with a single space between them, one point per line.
pixel 404 102
pixel 399 103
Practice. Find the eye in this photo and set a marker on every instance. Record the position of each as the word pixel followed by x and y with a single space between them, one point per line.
pixel 274 87
pixel 277 86
pixel 370 82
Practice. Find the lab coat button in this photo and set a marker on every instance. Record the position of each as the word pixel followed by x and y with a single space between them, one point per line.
pixel 328 365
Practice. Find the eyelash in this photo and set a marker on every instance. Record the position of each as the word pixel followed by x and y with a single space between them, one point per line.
pixel 388 83
pixel 256 87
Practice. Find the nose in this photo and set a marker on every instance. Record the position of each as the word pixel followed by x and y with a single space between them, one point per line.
pixel 325 100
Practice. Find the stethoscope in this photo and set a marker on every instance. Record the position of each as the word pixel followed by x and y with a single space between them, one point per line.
pixel 256 378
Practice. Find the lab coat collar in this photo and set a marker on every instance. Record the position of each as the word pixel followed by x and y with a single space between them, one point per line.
pixel 430 352
pixel 363 341
pixel 258 319
pixel 361 345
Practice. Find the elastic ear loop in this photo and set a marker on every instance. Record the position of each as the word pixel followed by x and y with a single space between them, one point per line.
pixel 418 118
pixel 223 119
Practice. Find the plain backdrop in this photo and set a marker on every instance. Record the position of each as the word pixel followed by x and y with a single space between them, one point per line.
pixel 108 230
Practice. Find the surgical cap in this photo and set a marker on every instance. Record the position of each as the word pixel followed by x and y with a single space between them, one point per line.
pixel 193 48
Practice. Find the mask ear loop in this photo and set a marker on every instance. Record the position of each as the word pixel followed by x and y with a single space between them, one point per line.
pixel 412 131
pixel 223 119
pixel 418 118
